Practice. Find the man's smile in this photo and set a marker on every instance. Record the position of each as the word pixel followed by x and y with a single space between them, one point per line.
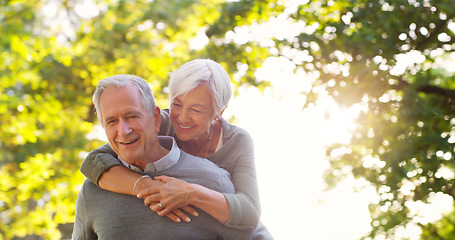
pixel 128 142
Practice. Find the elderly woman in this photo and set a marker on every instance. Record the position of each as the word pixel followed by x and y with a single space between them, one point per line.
pixel 200 91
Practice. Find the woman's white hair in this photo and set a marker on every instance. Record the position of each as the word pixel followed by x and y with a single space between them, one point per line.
pixel 198 71
pixel 122 80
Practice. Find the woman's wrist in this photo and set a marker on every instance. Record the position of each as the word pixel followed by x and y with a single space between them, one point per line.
pixel 137 181
pixel 196 195
pixel 143 184
pixel 210 201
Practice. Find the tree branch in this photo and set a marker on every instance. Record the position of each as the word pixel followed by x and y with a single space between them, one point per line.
pixel 429 89
pixel 450 93
pixel 434 34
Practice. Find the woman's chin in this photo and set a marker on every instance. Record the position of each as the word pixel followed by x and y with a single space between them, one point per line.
pixel 185 135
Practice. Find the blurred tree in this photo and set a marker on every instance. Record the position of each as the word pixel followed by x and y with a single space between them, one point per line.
pixel 53 53
pixel 43 112
pixel 393 59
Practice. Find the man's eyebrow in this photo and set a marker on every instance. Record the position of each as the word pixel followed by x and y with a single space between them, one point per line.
pixel 134 113
pixel 108 119
pixel 127 113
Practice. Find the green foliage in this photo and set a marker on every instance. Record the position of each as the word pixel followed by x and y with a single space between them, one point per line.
pixel 442 229
pixel 404 135
pixel 52 57
pixel 42 131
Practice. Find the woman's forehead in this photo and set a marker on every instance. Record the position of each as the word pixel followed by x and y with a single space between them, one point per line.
pixel 199 95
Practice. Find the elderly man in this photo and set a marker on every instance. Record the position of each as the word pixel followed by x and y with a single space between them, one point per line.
pixel 126 109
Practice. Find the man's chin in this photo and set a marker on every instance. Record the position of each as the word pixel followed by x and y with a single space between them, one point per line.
pixel 127 154
pixel 129 158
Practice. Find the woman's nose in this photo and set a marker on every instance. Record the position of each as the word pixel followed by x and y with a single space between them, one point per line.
pixel 183 116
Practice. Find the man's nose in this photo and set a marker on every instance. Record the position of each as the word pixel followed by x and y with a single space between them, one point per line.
pixel 124 128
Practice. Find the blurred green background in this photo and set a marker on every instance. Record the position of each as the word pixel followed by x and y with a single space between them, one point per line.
pixel 394 59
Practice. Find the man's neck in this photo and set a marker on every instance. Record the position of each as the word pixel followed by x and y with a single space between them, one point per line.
pixel 154 156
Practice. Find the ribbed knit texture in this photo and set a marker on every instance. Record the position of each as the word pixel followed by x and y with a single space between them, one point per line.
pixel 102 214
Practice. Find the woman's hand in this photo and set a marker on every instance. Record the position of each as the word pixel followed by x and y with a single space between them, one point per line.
pixel 172 196
pixel 177 214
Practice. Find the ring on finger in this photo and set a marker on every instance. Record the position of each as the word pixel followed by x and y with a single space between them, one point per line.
pixel 161 206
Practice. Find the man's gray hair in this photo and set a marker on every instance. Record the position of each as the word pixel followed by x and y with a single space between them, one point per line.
pixel 122 80
pixel 198 71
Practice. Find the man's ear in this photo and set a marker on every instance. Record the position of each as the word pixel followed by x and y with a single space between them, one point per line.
pixel 157 118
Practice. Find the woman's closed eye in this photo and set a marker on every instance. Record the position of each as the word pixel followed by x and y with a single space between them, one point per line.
pixel 176 104
pixel 196 110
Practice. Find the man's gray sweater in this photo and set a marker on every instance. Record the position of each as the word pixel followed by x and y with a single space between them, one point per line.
pixel 102 214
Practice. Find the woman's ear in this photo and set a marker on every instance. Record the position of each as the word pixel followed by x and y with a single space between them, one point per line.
pixel 218 116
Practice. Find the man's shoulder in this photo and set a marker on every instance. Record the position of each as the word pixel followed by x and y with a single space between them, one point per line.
pixel 88 185
pixel 90 192
pixel 203 172
pixel 187 158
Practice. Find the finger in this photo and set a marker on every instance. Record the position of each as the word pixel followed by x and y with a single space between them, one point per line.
pixel 164 209
pixel 163 178
pixel 147 191
pixel 151 199
pixel 190 210
pixel 174 218
pixel 181 215
pixel 161 209
pixel 156 207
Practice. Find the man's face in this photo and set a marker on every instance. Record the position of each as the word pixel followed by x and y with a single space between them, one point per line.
pixel 131 131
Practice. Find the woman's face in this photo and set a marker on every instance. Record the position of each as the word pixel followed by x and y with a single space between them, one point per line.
pixel 192 113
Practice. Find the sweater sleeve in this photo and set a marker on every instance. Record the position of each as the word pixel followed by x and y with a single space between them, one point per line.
pixel 244 205
pixel 98 162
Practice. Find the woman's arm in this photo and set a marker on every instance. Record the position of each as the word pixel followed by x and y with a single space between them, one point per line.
pixel 99 161
pixel 176 193
pixel 121 180
pixel 102 168
pixel 244 205
pixel 212 202
pixel 239 210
